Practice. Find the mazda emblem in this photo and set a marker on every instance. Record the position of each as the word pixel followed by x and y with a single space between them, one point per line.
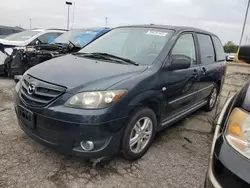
pixel 31 89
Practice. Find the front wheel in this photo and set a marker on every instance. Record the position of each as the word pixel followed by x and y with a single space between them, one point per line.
pixel 139 134
pixel 212 99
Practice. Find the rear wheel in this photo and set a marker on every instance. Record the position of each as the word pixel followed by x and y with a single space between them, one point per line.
pixel 212 99
pixel 139 134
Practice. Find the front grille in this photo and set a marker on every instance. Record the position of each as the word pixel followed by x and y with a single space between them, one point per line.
pixel 40 94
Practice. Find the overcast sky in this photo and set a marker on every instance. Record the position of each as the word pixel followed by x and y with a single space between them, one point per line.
pixel 222 17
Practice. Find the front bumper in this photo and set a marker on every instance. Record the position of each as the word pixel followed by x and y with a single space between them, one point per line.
pixel 63 130
pixel 227 168
pixel 211 181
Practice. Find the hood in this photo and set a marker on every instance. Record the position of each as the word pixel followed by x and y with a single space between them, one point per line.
pixel 12 43
pixel 83 73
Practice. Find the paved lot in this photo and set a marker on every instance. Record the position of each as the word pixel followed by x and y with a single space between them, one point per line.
pixel 177 158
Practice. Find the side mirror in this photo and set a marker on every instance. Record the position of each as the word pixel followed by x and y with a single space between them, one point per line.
pixel 37 42
pixel 179 62
pixel 1 47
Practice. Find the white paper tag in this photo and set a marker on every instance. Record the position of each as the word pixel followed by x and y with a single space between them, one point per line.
pixel 156 33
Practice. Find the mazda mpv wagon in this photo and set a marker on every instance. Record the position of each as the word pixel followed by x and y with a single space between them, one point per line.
pixel 116 93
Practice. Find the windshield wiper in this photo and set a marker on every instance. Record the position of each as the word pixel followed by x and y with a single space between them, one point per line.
pixel 91 55
pixel 116 57
pixel 106 56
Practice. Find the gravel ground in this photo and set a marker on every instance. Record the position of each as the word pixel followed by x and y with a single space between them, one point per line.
pixel 177 158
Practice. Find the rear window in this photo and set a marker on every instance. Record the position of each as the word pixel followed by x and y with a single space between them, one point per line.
pixel 206 49
pixel 220 54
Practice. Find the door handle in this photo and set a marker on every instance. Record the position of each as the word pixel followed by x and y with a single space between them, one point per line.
pixel 203 70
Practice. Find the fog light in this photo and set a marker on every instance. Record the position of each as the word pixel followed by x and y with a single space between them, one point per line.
pixel 87 145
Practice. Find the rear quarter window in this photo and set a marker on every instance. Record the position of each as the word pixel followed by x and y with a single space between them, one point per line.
pixel 220 54
pixel 206 49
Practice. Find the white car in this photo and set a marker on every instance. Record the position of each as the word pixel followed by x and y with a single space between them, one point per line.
pixel 26 38
pixel 230 56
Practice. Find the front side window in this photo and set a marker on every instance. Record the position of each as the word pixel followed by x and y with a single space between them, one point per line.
pixel 48 38
pixel 185 48
pixel 206 49
pixel 141 45
pixel 22 36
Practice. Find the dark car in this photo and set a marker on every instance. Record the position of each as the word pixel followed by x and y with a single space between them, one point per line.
pixel 71 41
pixel 229 164
pixel 244 53
pixel 6 30
pixel 120 90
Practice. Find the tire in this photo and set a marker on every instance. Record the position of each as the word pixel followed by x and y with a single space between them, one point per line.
pixel 144 137
pixel 213 96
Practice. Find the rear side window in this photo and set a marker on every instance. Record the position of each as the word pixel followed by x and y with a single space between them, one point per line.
pixel 206 49
pixel 220 54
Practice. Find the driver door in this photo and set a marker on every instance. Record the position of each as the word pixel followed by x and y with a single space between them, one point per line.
pixel 181 86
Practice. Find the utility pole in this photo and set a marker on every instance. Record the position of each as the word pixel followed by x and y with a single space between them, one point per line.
pixel 244 24
pixel 106 21
pixel 68 3
pixel 30 24
pixel 242 32
pixel 73 16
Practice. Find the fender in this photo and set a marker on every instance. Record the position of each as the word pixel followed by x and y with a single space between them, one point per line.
pixel 153 99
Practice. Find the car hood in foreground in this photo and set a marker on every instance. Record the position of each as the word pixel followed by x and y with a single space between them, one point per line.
pixel 83 73
pixel 12 43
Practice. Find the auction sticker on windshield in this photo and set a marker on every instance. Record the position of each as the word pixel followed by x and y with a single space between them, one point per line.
pixel 157 33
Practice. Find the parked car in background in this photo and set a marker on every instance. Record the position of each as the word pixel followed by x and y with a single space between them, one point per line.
pixel 26 38
pixel 229 164
pixel 230 56
pixel 6 30
pixel 244 53
pixel 117 92
pixel 22 59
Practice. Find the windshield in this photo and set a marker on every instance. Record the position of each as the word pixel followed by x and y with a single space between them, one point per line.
pixel 22 36
pixel 78 37
pixel 141 45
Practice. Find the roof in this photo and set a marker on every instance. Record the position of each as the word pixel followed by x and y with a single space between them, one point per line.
pixel 172 27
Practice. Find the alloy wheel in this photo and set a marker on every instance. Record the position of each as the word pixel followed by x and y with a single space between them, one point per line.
pixel 140 134
pixel 213 98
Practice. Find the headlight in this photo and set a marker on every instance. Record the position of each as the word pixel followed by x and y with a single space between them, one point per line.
pixel 238 131
pixel 95 99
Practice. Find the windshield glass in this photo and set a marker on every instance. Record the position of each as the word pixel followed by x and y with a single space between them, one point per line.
pixel 78 37
pixel 22 36
pixel 141 45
